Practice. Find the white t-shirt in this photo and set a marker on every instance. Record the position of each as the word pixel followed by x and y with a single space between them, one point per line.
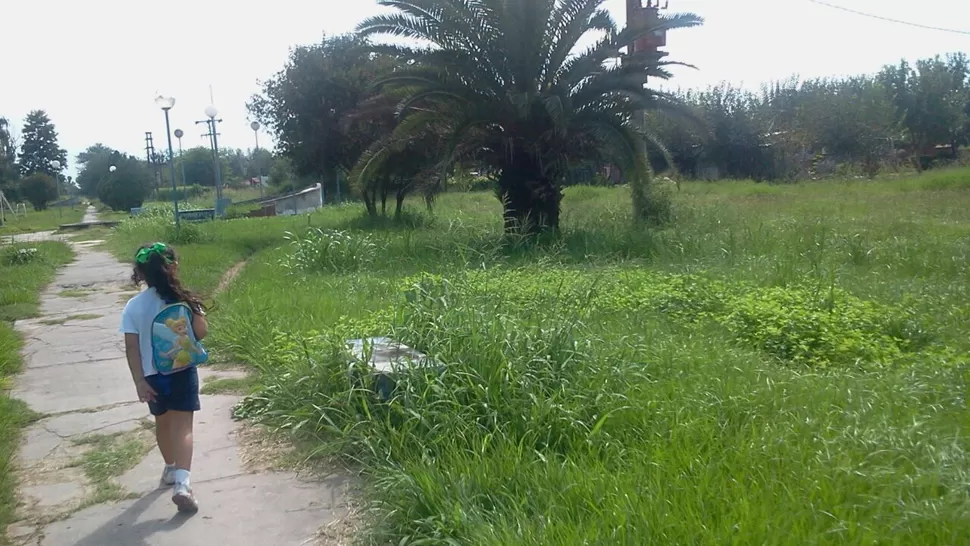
pixel 137 318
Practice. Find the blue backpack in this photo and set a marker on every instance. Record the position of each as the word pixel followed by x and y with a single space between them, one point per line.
pixel 174 344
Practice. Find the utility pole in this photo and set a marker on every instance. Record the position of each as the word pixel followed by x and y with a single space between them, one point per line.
pixel 152 159
pixel 214 142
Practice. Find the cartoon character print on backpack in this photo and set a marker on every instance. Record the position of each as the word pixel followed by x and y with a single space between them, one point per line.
pixel 173 341
pixel 181 354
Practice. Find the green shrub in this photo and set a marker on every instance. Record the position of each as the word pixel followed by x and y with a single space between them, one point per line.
pixel 184 193
pixel 329 251
pixel 656 205
pixel 20 256
pixel 127 186
pixel 797 324
pixel 805 326
pixel 38 189
pixel 157 223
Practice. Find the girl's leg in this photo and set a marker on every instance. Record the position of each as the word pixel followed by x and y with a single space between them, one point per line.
pixel 180 436
pixel 164 437
pixel 184 402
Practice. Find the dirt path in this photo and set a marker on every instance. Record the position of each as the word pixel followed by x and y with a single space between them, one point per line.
pixel 229 276
pixel 89 472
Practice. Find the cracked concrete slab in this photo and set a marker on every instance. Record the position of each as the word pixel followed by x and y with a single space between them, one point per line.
pixel 54 494
pixel 75 372
pixel 76 386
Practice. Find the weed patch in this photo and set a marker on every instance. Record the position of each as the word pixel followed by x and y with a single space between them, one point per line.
pixel 75 293
pixel 329 251
pixel 65 320
pixel 771 362
pixel 110 456
pixel 228 385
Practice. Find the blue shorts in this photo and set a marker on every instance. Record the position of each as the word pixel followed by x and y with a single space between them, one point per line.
pixel 176 392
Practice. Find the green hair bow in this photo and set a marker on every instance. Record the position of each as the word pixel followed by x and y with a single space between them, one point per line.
pixel 146 253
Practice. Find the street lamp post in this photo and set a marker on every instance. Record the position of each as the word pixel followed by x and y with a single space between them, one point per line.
pixel 179 134
pixel 211 112
pixel 166 104
pixel 56 165
pixel 259 168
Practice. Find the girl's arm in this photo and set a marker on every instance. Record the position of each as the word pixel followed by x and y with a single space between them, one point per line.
pixel 199 326
pixel 133 355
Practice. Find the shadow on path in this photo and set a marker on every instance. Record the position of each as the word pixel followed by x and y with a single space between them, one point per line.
pixel 125 529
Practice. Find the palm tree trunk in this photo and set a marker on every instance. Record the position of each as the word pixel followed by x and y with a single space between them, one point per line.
pixel 399 205
pixel 370 201
pixel 530 200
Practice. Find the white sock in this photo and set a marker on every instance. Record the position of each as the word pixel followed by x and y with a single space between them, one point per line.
pixel 182 476
pixel 169 467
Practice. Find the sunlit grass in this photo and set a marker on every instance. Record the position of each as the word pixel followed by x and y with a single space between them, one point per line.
pixel 44 220
pixel 781 364
pixel 20 286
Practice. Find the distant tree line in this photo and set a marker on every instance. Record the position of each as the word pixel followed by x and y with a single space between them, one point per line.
pixel 30 170
pixel 907 115
pixel 134 179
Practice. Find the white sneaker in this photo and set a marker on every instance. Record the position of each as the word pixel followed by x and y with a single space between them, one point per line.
pixel 184 499
pixel 168 476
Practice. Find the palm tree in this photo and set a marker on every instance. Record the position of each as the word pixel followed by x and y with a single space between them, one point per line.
pixel 501 82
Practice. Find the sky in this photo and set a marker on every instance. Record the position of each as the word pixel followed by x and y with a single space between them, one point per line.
pixel 96 66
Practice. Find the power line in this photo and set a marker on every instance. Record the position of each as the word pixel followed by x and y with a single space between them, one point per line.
pixel 891 20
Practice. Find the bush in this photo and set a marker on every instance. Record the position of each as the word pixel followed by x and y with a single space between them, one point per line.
pixel 127 187
pixel 654 205
pixel 184 193
pixel 39 189
pixel 157 223
pixel 797 324
pixel 329 251
pixel 806 326
pixel 21 256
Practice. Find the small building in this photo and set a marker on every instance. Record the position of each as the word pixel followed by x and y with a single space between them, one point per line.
pixel 300 202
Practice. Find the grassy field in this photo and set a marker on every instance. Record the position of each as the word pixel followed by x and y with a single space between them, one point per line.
pixel 44 220
pixel 23 274
pixel 780 364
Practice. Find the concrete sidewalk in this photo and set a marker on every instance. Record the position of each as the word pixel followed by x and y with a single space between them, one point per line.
pixel 77 377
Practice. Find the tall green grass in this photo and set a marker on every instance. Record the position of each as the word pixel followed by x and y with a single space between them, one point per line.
pixel 779 364
pixel 44 220
pixel 21 281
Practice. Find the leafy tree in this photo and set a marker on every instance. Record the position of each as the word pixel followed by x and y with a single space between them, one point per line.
pixel 38 189
pixel 199 168
pixel 853 119
pixel 9 172
pixel 934 96
pixel 128 185
pixel 394 166
pixel 281 174
pixel 307 104
pixel 39 147
pixel 258 162
pixel 778 133
pixel 499 83
pixel 94 166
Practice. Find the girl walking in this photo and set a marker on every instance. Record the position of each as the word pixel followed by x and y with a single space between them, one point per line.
pixel 162 326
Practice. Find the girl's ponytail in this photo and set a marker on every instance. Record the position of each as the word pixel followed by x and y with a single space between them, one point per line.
pixel 156 265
